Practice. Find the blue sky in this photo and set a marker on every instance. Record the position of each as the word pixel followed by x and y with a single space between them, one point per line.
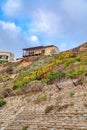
pixel 26 23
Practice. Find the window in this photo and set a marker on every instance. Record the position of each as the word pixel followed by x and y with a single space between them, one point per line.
pixel 3 57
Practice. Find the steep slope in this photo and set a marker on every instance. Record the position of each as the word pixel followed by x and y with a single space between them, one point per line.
pixel 23 76
pixel 45 93
pixel 82 47
pixel 51 109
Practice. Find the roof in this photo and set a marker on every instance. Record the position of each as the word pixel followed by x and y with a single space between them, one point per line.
pixel 38 47
pixel 49 46
pixel 5 52
pixel 32 48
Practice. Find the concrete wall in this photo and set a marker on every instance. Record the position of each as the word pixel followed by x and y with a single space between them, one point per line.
pixel 51 50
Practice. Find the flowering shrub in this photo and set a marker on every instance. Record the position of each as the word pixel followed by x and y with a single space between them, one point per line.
pixel 59 66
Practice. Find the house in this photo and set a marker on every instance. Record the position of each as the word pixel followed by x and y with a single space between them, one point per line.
pixel 40 50
pixel 6 56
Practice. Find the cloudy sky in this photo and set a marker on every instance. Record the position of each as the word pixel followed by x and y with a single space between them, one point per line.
pixel 26 23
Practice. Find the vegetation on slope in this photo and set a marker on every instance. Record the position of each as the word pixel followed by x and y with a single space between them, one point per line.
pixel 63 65
pixel 47 70
pixel 2 102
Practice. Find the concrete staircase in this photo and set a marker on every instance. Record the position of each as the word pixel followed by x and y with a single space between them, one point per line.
pixel 68 113
pixel 40 121
pixel 10 111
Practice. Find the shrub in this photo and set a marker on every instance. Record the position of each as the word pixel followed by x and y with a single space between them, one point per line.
pixel 20 82
pixel 2 102
pixel 25 80
pixel 85 63
pixel 61 107
pixel 54 75
pixel 71 75
pixel 3 61
pixel 67 63
pixel 75 73
pixel 79 72
pixel 85 104
pixel 25 128
pixel 47 80
pixel 78 58
pixel 48 109
pixel 7 92
pixel 42 97
pixel 17 84
pixel 33 77
pixel 72 94
pixel 65 55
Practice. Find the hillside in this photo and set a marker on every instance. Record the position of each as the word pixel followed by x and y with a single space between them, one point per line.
pixel 82 47
pixel 45 93
pixel 19 77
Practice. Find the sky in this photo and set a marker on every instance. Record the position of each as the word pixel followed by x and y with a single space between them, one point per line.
pixel 28 23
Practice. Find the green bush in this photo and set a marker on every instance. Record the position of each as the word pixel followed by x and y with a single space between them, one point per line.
pixel 42 97
pixel 70 75
pixel 75 73
pixel 2 102
pixel 20 82
pixel 3 61
pixel 72 94
pixel 65 55
pixel 17 84
pixel 54 75
pixel 85 63
pixel 33 77
pixel 79 72
pixel 25 128
pixel 78 58
pixel 47 80
pixel 67 63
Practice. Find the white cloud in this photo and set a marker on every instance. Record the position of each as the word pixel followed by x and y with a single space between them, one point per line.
pixel 60 22
pixel 10 26
pixel 12 7
pixel 49 17
pixel 34 39
pixel 74 8
pixel 45 22
pixel 10 38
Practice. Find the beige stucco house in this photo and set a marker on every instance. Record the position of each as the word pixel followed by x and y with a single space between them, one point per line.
pixel 6 56
pixel 40 50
